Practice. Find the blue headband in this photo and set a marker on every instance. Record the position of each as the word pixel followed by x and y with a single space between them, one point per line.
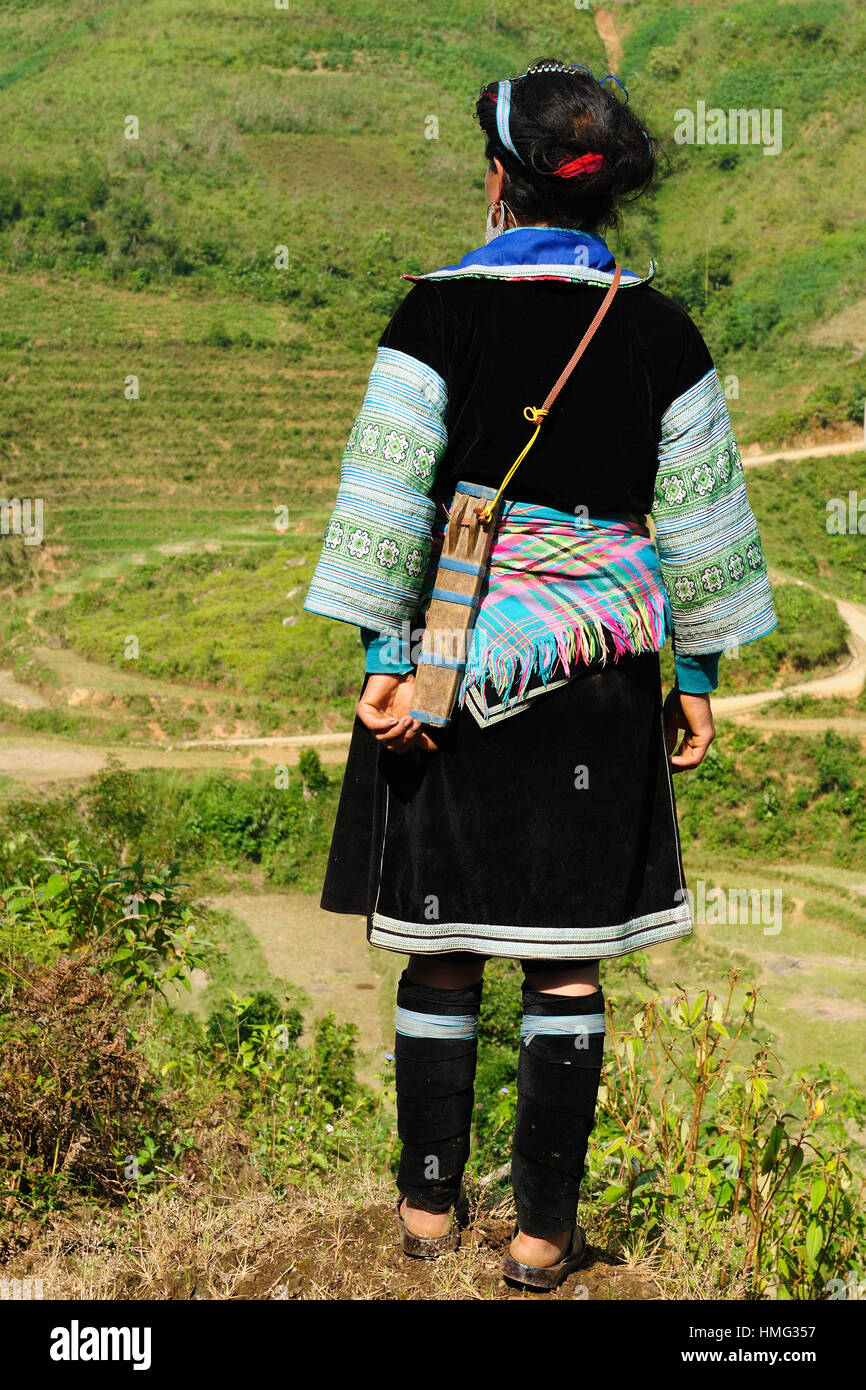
pixel 503 112
pixel 503 102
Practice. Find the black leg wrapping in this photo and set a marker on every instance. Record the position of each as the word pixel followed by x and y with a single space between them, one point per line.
pixel 557 1088
pixel 435 1092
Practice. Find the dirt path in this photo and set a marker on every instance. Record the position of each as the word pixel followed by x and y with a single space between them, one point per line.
pixel 274 741
pixel 327 954
pixel 39 762
pixel 846 680
pixel 850 725
pixel 853 446
pixel 12 692
pixel 610 38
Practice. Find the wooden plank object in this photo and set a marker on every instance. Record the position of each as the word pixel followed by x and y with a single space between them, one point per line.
pixel 451 616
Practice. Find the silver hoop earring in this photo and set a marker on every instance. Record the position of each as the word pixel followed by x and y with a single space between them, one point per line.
pixel 495 229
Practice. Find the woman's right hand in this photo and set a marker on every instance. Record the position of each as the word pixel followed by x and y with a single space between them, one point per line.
pixel 384 708
pixel 693 715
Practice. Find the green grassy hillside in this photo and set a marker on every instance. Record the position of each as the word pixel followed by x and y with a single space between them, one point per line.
pixel 307 128
pixel 168 390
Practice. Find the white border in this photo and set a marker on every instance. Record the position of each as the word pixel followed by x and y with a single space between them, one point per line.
pixel 434 938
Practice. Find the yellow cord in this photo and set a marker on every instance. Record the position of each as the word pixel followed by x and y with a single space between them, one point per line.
pixel 536 414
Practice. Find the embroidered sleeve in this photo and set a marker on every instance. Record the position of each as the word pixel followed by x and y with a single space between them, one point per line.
pixel 378 539
pixel 710 552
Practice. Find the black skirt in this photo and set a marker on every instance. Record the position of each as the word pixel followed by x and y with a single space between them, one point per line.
pixel 549 835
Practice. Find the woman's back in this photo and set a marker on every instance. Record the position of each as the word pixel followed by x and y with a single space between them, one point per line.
pixel 500 346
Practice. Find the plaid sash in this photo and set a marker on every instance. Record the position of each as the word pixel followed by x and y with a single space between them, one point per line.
pixel 563 589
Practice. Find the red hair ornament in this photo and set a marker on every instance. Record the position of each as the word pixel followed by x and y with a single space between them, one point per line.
pixel 584 164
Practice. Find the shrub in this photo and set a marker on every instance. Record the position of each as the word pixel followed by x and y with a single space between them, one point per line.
pixel 236 1022
pixel 304 1103
pixel 76 1096
pixel 131 918
pixel 748 1173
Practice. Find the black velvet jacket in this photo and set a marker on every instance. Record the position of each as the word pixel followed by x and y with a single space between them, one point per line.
pixel 501 346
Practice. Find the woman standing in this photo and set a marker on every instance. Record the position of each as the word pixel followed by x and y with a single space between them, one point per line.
pixel 540 823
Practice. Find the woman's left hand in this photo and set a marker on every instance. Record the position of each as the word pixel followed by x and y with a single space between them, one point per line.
pixel 384 708
pixel 693 716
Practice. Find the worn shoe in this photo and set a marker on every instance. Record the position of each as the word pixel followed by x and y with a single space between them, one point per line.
pixel 534 1277
pixel 424 1247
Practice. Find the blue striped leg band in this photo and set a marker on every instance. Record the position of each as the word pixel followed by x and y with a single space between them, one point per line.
pixel 579 1026
pixel 418 1025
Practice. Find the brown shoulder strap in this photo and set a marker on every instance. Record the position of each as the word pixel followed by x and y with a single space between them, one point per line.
pixel 585 341
pixel 539 415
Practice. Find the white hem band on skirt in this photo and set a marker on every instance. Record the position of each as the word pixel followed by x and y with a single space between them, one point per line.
pixel 433 938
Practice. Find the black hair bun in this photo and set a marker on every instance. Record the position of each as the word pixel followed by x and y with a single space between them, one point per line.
pixel 558 113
